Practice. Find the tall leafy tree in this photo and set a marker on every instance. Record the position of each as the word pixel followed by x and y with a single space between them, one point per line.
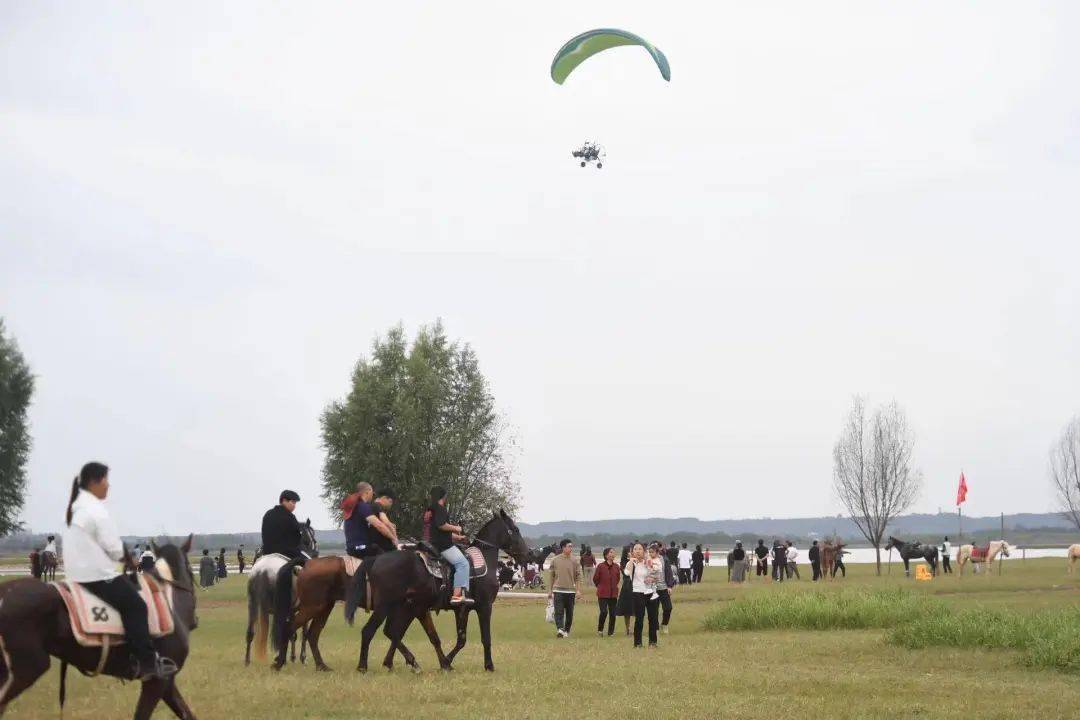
pixel 416 416
pixel 16 390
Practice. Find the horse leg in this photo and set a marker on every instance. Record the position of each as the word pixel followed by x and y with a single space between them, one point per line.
pixel 253 613
pixel 395 630
pixel 176 702
pixel 304 644
pixel 462 618
pixel 149 696
pixel 428 623
pixel 370 628
pixel 312 637
pixel 23 662
pixel 483 614
pixel 299 619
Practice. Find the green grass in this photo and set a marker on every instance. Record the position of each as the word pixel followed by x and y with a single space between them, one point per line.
pixel 799 610
pixel 1047 639
pixel 693 675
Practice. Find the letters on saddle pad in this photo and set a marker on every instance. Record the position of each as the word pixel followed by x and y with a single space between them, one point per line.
pixel 95 623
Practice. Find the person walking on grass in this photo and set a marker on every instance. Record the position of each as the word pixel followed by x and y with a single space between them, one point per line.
pixel 697 564
pixel 791 554
pixel 946 551
pixel 762 554
pixel 642 572
pixel 779 561
pixel 686 562
pixel 815 560
pixel 207 570
pixel 240 558
pixel 625 606
pixel 606 578
pixel 565 587
pixel 665 583
pixel 738 568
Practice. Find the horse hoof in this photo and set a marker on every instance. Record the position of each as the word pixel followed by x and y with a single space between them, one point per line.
pixel 489 668
pixel 323 668
pixel 416 669
pixel 361 669
pixel 447 667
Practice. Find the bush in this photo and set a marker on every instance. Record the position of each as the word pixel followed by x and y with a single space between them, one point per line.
pixel 856 610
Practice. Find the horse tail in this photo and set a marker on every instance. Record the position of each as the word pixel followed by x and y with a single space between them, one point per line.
pixel 283 601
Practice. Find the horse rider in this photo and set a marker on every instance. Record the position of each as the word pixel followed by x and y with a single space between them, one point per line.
pixel 92 548
pixel 48 554
pixel 441 535
pixel 361 517
pixel 281 530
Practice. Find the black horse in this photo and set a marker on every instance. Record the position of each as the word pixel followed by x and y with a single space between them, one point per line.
pixel 403 590
pixel 540 555
pixel 912 551
pixel 34 625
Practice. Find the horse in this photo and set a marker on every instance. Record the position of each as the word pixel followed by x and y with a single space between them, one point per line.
pixel 1074 555
pixel 49 564
pixel 34 625
pixel 966 553
pixel 403 590
pixel 910 551
pixel 320 584
pixel 540 555
pixel 830 556
pixel 262 581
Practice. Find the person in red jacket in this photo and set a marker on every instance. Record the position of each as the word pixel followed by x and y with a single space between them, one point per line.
pixel 606 578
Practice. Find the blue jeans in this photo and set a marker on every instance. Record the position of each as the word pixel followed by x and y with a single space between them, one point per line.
pixel 461 566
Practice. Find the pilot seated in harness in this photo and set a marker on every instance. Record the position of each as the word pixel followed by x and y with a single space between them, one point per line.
pixel 441 535
pixel 92 549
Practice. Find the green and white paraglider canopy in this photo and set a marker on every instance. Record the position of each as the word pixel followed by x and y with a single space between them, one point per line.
pixel 587 44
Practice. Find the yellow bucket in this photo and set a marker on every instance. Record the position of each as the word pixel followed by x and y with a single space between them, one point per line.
pixel 923 573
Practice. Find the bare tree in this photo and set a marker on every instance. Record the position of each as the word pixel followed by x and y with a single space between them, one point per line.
pixel 1065 471
pixel 872 473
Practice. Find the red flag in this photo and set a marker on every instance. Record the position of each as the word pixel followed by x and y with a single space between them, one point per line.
pixel 961 492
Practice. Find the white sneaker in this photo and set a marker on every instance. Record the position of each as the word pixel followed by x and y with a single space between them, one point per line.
pixel 561 634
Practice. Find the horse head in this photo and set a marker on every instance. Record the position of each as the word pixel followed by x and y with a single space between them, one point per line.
pixel 173 567
pixel 1005 548
pixel 502 532
pixel 893 543
pixel 308 539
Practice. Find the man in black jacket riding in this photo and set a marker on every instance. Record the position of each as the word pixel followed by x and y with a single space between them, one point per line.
pixel 281 529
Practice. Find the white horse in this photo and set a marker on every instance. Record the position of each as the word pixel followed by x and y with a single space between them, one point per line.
pixel 965 554
pixel 1074 555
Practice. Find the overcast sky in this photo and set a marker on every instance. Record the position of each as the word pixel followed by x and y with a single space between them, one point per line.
pixel 208 212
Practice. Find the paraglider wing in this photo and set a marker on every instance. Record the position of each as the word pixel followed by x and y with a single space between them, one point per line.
pixel 587 44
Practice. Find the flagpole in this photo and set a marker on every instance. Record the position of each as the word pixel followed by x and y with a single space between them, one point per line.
pixel 959 525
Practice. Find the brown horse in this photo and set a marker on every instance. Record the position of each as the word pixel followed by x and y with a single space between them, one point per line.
pixel 49 565
pixel 320 584
pixel 830 553
pixel 34 625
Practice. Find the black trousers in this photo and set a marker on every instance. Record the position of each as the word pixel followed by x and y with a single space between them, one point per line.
pixel 684 576
pixel 762 567
pixel 643 605
pixel 607 612
pixel 815 565
pixel 840 566
pixel 564 610
pixel 665 606
pixel 945 566
pixel 697 572
pixel 122 595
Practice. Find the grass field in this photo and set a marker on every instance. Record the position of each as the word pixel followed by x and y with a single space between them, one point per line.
pixel 694 673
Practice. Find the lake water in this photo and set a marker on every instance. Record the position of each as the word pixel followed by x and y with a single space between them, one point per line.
pixel 866 555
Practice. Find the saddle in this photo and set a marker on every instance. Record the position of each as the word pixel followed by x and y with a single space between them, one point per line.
pixel 980 553
pixel 441 569
pixel 95 623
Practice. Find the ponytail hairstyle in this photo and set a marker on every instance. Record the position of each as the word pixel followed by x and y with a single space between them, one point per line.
pixel 91 472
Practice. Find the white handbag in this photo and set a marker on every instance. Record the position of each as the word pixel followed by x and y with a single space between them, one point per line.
pixel 549 612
